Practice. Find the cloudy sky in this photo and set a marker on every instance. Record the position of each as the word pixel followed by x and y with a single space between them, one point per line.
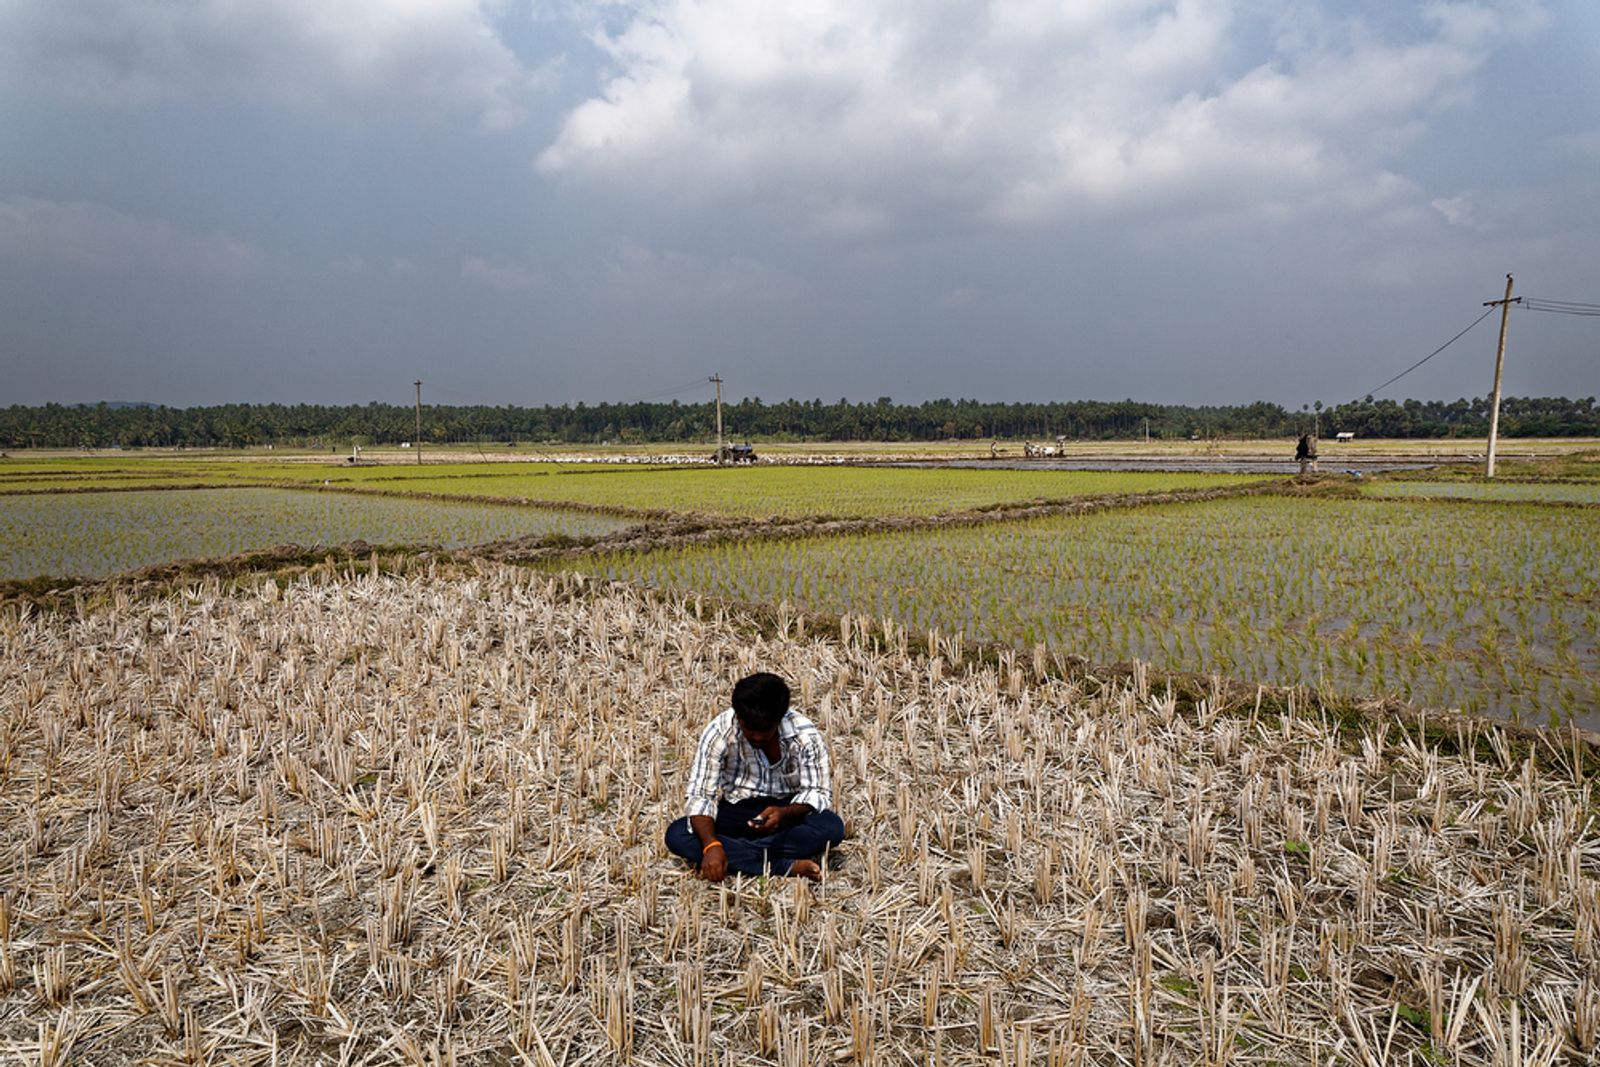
pixel 545 201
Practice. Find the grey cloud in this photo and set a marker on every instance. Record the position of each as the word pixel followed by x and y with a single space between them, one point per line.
pixel 504 277
pixel 439 55
pixel 1191 200
pixel 94 236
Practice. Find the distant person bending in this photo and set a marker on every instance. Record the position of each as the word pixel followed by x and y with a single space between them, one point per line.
pixel 759 792
pixel 1306 453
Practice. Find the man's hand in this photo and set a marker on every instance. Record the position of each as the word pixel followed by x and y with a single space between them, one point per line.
pixel 714 864
pixel 770 820
pixel 713 858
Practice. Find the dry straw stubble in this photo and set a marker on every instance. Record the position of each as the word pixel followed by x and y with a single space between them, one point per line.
pixel 378 819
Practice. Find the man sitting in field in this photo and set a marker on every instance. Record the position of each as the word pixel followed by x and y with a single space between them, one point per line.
pixel 759 791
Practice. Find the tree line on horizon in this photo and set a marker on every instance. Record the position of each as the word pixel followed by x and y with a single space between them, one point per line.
pixel 338 426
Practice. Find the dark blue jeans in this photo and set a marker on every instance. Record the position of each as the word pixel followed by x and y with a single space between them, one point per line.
pixel 751 852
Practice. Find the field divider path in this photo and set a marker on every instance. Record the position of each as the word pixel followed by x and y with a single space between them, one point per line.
pixel 683 529
pixel 71 490
pixel 620 510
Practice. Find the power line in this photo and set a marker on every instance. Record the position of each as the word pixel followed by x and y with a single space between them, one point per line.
pixel 1567 303
pixel 1430 355
pixel 453 397
pixel 677 390
pixel 1561 307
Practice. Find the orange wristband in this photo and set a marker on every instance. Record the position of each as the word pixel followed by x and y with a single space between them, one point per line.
pixel 713 844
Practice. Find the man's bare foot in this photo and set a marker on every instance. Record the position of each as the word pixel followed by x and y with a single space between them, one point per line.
pixel 807 869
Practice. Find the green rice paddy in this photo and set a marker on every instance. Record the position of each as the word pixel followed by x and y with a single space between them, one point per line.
pixel 788 491
pixel 1491 610
pixel 67 474
pixel 98 534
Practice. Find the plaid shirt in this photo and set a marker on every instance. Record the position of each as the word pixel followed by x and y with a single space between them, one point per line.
pixel 727 765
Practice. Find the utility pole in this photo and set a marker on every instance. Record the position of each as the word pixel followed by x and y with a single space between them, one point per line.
pixel 717 378
pixel 1499 366
pixel 418 442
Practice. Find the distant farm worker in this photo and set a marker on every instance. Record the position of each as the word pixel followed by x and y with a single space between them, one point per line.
pixel 1306 453
pixel 759 796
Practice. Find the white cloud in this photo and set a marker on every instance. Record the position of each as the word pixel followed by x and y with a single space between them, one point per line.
pixel 1584 145
pixel 357 264
pixel 862 112
pixel 92 235
pixel 428 55
pixel 967 298
pixel 505 277
pixel 1457 210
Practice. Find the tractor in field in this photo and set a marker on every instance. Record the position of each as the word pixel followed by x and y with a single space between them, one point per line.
pixel 734 454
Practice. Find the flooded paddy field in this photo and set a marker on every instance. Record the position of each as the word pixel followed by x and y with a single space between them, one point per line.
pixel 1492 610
pixel 1551 492
pixel 98 534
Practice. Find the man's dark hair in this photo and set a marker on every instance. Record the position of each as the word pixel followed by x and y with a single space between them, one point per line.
pixel 760 700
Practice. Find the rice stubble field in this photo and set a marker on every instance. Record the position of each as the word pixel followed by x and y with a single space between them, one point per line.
pixel 373 818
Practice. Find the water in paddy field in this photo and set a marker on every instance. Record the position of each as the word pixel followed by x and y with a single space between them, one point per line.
pixel 1490 610
pixel 1542 492
pixel 97 534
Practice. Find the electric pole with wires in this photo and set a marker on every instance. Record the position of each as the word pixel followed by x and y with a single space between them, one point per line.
pixel 717 379
pixel 1499 367
pixel 418 441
